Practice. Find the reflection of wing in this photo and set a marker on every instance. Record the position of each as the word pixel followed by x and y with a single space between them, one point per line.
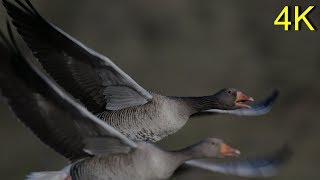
pixel 58 120
pixel 259 109
pixel 264 167
pixel 90 77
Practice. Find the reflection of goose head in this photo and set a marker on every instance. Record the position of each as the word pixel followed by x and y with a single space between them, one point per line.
pixel 209 148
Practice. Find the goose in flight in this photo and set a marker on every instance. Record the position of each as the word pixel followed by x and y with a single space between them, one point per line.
pixel 108 92
pixel 95 149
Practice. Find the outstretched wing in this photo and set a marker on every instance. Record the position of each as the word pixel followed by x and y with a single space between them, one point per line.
pixel 87 75
pixel 51 114
pixel 259 109
pixel 261 167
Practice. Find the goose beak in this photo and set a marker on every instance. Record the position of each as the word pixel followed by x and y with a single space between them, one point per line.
pixel 227 151
pixel 241 99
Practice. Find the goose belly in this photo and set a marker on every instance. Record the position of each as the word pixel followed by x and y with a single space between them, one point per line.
pixel 163 126
pixel 120 167
pixel 104 168
pixel 151 123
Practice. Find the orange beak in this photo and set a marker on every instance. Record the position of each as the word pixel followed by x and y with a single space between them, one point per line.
pixel 227 151
pixel 241 98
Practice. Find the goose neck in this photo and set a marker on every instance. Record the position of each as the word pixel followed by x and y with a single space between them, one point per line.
pixel 202 103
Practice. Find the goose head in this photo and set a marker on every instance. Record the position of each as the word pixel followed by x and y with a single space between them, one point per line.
pixel 213 147
pixel 231 98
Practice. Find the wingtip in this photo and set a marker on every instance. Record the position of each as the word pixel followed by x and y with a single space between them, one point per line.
pixel 271 165
pixel 276 93
pixel 285 153
pixel 273 97
pixel 6 3
pixel 9 43
pixel 20 6
pixel 280 156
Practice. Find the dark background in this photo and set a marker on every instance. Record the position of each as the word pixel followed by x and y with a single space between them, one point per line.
pixel 193 48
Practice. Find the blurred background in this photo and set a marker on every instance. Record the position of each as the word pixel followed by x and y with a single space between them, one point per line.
pixel 194 48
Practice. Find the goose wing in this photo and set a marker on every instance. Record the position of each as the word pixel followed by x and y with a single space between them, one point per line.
pixel 51 114
pixel 259 109
pixel 87 75
pixel 261 167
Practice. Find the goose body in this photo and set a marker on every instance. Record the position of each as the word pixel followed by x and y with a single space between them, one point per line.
pixel 146 162
pixel 108 92
pixel 153 121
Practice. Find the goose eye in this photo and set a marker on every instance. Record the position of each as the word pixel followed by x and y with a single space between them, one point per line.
pixel 229 92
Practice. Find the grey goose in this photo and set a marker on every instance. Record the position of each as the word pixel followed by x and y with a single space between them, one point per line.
pixel 95 149
pixel 108 92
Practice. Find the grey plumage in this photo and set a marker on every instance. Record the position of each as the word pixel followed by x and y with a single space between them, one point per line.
pixel 105 89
